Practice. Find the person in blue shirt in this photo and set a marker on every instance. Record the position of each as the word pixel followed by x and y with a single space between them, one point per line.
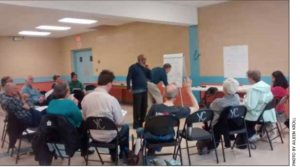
pixel 159 74
pixel 35 97
pixel 139 74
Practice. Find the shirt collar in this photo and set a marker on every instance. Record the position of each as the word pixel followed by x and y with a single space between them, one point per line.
pixel 98 89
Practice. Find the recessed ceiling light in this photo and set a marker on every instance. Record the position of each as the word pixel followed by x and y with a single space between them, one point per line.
pixel 59 28
pixel 35 33
pixel 77 21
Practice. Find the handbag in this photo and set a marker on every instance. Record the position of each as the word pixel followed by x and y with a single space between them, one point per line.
pixel 135 157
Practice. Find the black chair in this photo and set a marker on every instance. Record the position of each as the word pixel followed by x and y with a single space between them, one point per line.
pixel 282 101
pixel 156 124
pixel 192 134
pixel 102 124
pixel 210 93
pixel 261 121
pixel 27 134
pixel 90 87
pixel 235 114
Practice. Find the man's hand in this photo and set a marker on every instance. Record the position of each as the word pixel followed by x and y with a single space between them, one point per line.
pixel 26 106
pixel 241 100
pixel 188 84
pixel 75 101
pixel 144 123
pixel 41 100
pixel 146 66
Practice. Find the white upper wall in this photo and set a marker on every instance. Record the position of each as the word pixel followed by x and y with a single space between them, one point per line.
pixel 147 11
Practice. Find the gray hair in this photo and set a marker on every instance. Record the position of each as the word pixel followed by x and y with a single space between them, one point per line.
pixel 254 74
pixel 230 86
pixel 171 91
pixel 8 86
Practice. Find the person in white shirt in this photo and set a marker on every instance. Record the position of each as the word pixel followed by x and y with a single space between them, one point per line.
pixel 100 103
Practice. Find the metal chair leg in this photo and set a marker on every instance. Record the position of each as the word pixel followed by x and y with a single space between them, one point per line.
pixel 4 139
pixel 18 151
pixel 216 152
pixel 223 149
pixel 267 132
pixel 117 157
pixel 4 130
pixel 99 156
pixel 55 147
pixel 248 144
pixel 12 151
pixel 235 141
pixel 279 133
pixel 188 152
pixel 179 147
pixel 87 159
pixel 69 161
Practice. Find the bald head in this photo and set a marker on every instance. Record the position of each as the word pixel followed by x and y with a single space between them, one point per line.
pixel 171 91
pixel 142 59
pixel 29 80
pixel 11 88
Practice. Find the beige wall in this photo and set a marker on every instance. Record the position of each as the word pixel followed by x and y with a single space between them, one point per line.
pixel 117 47
pixel 262 25
pixel 37 56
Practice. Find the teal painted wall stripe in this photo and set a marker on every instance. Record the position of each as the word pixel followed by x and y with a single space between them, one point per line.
pixel 194 63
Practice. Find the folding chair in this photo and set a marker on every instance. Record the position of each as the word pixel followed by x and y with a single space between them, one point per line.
pixel 102 124
pixel 261 121
pixel 192 134
pixel 283 100
pixel 4 132
pixel 235 113
pixel 211 94
pixel 27 134
pixel 157 124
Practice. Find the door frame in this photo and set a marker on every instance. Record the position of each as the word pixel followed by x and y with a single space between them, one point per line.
pixel 74 59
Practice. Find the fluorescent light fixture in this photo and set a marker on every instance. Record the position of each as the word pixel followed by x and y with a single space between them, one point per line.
pixel 59 28
pixel 77 21
pixel 34 33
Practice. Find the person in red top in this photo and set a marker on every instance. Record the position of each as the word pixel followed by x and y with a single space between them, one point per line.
pixel 280 84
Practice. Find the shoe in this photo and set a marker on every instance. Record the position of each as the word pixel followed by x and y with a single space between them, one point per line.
pixel 89 153
pixel 254 138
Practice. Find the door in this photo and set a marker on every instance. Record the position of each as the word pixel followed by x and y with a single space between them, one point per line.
pixel 83 65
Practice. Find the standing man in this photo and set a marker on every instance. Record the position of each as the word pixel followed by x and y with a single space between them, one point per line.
pixel 139 73
pixel 158 74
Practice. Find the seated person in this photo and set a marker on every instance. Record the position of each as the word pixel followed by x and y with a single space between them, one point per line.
pixel 4 80
pixel 100 103
pixel 256 99
pixel 27 100
pixel 280 84
pixel 57 80
pixel 61 105
pixel 167 108
pixel 13 102
pixel 230 87
pixel 75 83
pixel 35 97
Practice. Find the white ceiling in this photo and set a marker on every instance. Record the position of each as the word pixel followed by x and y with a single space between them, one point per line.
pixel 16 16
pixel 14 19
pixel 197 3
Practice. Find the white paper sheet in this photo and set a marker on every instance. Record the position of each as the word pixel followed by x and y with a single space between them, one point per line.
pixel 49 93
pixel 124 112
pixel 235 61
pixel 41 108
pixel 178 68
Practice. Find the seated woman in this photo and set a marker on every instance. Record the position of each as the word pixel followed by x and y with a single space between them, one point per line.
pixel 256 99
pixel 280 84
pixel 61 105
pixel 230 87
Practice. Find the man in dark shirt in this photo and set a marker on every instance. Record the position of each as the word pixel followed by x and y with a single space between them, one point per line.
pixel 139 74
pixel 158 74
pixel 167 108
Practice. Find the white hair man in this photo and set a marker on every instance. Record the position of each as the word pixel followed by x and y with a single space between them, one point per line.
pixel 34 96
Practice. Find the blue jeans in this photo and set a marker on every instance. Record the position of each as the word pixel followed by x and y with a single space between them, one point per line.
pixel 124 145
pixel 150 137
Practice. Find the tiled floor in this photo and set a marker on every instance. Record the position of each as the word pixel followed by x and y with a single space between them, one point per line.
pixel 261 156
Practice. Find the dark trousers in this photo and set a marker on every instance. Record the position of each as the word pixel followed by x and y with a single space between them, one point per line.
pixel 84 137
pixel 124 144
pixel 139 108
pixel 36 117
pixel 251 128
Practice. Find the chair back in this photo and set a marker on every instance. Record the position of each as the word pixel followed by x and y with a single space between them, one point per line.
pixel 160 123
pixel 283 100
pixel 100 123
pixel 233 112
pixel 269 106
pixel 202 115
pixel 90 87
